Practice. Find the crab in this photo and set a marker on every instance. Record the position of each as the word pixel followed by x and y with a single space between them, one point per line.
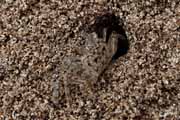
pixel 102 43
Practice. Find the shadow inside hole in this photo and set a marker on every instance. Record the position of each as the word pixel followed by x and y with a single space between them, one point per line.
pixel 112 23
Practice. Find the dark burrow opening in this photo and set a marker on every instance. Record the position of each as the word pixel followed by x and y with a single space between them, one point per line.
pixel 112 23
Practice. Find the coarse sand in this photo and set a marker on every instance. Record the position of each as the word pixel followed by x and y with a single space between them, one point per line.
pixel 35 35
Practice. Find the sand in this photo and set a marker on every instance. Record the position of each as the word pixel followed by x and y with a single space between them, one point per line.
pixel 35 35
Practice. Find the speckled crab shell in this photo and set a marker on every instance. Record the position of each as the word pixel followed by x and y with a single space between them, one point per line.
pixel 87 61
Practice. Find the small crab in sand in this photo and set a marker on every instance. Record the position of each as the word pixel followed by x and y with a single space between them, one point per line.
pixel 104 41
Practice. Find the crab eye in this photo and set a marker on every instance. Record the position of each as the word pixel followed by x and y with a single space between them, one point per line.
pixel 103 49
